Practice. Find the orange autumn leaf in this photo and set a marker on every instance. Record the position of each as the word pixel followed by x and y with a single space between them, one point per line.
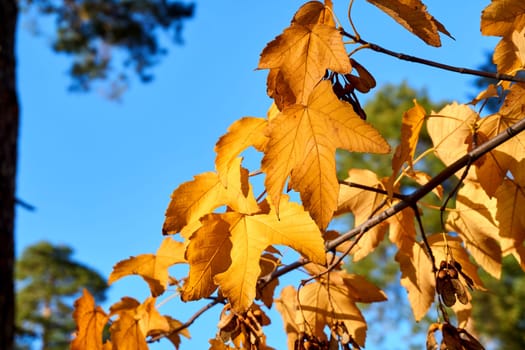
pixel 288 307
pixel 174 337
pixel 413 15
pixel 303 140
pixel 474 220
pixel 506 18
pixel 194 199
pixel 135 322
pixel 417 278
pixel 301 55
pixel 252 234
pixel 412 121
pixel 90 321
pixel 511 201
pixel 362 204
pixel 208 254
pixel 153 268
pixel 323 305
pixel 450 129
pixel 245 132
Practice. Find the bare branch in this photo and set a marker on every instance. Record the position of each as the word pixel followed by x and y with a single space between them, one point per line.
pixel 409 58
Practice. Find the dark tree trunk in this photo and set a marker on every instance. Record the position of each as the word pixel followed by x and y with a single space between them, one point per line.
pixel 8 156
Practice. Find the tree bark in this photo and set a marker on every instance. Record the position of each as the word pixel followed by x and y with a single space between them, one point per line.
pixel 9 122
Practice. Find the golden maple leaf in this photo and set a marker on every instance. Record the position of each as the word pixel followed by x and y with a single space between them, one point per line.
pixel 153 268
pixel 332 301
pixel 135 322
pixel 413 15
pixel 196 198
pixel 303 140
pixel 300 56
pixel 412 121
pixel 363 204
pixel 417 278
pixel 506 18
pixel 474 220
pixel 450 129
pixel 245 132
pixel 90 321
pixel 511 201
pixel 251 234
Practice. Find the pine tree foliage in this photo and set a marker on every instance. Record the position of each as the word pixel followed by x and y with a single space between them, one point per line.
pixel 48 282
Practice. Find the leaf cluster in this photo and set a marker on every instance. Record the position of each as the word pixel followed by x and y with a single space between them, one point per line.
pixel 233 242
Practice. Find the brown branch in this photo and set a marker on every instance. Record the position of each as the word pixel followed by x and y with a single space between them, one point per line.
pixel 189 322
pixel 409 58
pixel 411 199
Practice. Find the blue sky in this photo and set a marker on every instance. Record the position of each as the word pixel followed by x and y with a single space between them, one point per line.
pixel 101 173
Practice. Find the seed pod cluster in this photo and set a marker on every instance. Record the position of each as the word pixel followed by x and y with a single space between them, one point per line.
pixel 448 285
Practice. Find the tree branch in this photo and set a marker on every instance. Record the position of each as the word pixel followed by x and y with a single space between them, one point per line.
pixel 409 58
pixel 410 200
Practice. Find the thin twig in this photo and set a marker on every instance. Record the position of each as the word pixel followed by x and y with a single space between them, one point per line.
pixel 409 58
pixel 189 322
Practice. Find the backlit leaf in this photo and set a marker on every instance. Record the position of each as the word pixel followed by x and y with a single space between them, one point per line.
pixel 153 268
pixel 450 130
pixel 208 254
pixel 474 220
pixel 303 53
pixel 251 234
pixel 511 201
pixel 506 18
pixel 245 132
pixel 303 140
pixel 413 15
pixel 134 324
pixel 418 278
pixel 194 199
pixel 412 121
pixel 90 321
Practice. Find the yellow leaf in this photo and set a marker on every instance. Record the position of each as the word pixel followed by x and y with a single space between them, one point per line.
pixel 243 133
pixel 474 220
pixel 250 235
pixel 417 278
pixel 90 321
pixel 135 323
pixel 303 53
pixel 362 204
pixel 412 122
pixel 287 306
pixel 402 229
pixel 126 334
pixel 194 199
pixel 511 201
pixel 153 268
pixel 323 306
pixel 268 264
pixel 303 140
pixel 506 18
pixel 314 12
pixel 450 129
pixel 413 15
pixel 208 254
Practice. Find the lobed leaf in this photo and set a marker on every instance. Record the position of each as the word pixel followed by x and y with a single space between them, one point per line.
pixel 475 222
pixel 413 15
pixel 303 140
pixel 153 268
pixel 90 321
pixel 194 199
